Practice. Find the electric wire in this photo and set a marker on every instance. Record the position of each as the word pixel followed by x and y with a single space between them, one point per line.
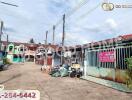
pixel 59 22
pixel 70 13
pixel 8 4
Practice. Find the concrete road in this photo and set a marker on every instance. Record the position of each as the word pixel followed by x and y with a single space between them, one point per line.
pixel 29 76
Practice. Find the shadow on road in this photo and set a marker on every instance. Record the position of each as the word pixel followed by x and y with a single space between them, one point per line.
pixel 13 77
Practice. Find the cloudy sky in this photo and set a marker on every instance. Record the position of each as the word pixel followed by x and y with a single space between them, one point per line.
pixel 86 21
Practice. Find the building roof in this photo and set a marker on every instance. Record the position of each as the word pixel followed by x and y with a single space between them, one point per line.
pixel 126 37
pixel 31 45
pixel 59 48
pixel 110 41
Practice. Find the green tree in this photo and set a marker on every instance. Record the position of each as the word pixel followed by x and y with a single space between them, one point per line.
pixel 31 40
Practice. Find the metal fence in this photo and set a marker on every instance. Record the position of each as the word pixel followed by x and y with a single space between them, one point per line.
pixel 121 53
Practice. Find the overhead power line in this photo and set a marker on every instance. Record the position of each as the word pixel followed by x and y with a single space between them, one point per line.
pixel 71 12
pixel 88 12
pixel 10 4
pixel 76 8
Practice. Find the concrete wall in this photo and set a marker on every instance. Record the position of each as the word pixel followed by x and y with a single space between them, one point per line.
pixel 10 57
pixel 107 73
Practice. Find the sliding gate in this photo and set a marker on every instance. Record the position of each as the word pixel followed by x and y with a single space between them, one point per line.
pixel 108 63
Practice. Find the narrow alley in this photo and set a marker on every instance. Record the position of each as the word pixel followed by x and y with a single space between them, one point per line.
pixel 28 76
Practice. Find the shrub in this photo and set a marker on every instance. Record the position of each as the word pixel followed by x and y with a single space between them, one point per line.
pixel 129 72
pixel 6 61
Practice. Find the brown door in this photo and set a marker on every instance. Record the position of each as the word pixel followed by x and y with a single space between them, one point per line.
pixel 49 61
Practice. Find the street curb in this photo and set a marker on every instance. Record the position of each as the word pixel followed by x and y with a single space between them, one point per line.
pixel 107 83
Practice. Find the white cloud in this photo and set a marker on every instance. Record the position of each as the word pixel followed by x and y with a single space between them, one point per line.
pixel 33 17
pixel 73 39
pixel 74 3
pixel 111 23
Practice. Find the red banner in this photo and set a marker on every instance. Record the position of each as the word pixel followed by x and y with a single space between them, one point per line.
pixel 108 56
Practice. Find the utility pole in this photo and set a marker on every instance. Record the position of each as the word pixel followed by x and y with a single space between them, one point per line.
pixel 53 34
pixel 1 29
pixel 46 37
pixel 63 36
pixel 7 39
pixel 63 40
pixel 45 60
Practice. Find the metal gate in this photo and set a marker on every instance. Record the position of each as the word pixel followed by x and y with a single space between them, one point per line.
pixel 114 70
